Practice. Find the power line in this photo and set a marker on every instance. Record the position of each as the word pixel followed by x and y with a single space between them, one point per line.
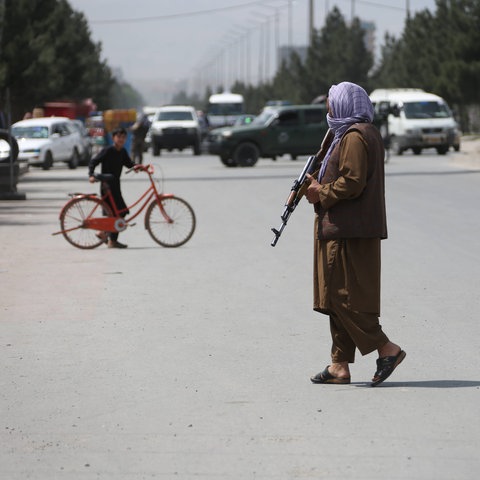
pixel 377 4
pixel 178 15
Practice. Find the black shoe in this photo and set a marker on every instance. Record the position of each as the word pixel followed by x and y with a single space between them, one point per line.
pixel 116 244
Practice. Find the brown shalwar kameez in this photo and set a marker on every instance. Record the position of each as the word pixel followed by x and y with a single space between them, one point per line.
pixel 349 226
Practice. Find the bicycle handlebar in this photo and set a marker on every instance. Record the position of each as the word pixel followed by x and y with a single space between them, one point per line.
pixel 140 167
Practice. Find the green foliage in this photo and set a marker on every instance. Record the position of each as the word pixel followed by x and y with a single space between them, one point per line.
pixel 439 52
pixel 338 53
pixel 46 54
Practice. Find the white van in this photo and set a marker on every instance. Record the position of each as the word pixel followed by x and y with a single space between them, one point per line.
pixel 223 109
pixel 416 120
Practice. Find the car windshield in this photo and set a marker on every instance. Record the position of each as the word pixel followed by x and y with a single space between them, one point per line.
pixel 426 110
pixel 225 109
pixel 263 118
pixel 166 116
pixel 30 132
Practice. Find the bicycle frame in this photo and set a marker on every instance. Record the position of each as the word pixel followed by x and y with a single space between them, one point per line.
pixel 118 223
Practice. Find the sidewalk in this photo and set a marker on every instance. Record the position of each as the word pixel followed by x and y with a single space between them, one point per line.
pixel 469 154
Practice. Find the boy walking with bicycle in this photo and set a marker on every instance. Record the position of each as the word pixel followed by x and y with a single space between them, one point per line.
pixel 113 158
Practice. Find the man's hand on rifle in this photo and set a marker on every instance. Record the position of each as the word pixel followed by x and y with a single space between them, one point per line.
pixel 313 189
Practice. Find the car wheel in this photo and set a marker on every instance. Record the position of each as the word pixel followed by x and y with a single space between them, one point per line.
pixel 417 150
pixel 48 161
pixel 156 150
pixel 246 154
pixel 228 162
pixel 442 150
pixel 74 160
pixel 87 155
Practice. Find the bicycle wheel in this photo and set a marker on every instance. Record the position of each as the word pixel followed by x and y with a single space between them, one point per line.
pixel 72 218
pixel 177 229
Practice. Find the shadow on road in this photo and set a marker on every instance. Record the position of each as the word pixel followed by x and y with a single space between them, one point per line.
pixel 429 384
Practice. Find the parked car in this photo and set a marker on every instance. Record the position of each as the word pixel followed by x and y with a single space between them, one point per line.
pixel 175 127
pixel 86 142
pixel 45 141
pixel 278 130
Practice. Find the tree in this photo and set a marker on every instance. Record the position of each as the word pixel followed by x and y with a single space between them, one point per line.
pixel 439 52
pixel 338 53
pixel 46 53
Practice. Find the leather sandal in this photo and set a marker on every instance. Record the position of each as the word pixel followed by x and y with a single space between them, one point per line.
pixel 327 377
pixel 386 366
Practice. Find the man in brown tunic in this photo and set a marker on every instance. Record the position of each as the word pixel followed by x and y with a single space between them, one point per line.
pixel 350 222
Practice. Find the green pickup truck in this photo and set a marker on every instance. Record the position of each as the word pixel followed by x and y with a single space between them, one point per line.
pixel 294 130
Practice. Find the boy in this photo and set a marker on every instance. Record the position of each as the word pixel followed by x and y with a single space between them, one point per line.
pixel 113 158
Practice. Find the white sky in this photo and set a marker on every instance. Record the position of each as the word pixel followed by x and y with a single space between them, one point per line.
pixel 155 53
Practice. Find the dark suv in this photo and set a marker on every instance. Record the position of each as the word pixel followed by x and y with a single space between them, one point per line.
pixel 294 130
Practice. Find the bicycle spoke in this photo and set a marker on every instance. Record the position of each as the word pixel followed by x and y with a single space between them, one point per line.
pixel 73 217
pixel 173 226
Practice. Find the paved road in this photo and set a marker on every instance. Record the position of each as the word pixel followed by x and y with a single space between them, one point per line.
pixel 194 362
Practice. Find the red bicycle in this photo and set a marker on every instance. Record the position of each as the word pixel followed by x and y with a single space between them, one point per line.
pixel 170 220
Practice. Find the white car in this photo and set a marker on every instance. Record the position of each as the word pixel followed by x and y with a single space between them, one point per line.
pixel 175 127
pixel 45 141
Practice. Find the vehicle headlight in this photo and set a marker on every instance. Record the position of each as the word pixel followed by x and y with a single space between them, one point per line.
pixel 227 133
pixel 413 131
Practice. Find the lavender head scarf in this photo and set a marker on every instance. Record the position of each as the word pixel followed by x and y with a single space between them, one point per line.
pixel 349 104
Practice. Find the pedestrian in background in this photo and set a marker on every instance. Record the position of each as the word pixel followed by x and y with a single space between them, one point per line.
pixel 139 132
pixel 350 222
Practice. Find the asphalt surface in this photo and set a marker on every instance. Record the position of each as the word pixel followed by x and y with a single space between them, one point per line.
pixel 194 362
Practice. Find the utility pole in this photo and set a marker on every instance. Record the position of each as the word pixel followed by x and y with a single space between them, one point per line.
pixel 310 22
pixel 290 43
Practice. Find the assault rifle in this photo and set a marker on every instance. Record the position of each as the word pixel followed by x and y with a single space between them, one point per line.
pixel 299 186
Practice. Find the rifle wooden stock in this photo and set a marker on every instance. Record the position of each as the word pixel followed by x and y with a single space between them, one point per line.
pixel 320 155
pixel 300 185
